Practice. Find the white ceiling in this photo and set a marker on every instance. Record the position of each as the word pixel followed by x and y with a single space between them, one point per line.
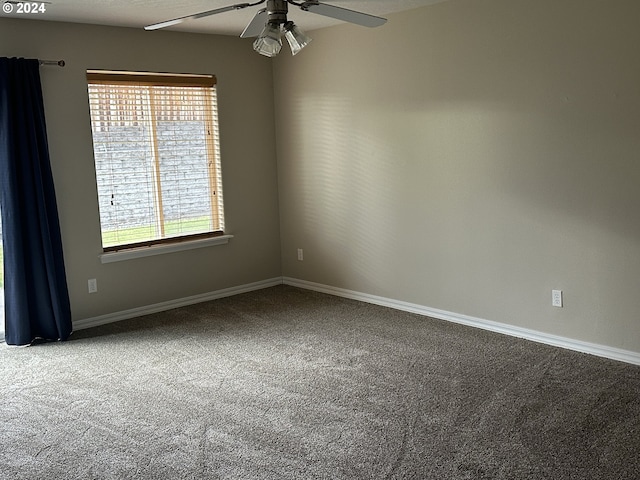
pixel 138 13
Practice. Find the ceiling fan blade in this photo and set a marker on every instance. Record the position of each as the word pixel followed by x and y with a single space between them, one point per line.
pixel 178 20
pixel 344 14
pixel 256 25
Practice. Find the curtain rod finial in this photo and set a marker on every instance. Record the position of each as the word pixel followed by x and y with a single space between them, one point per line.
pixel 60 63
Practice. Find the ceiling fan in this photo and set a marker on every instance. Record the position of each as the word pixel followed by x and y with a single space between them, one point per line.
pixel 271 22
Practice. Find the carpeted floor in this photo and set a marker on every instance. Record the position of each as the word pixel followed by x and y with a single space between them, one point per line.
pixel 285 383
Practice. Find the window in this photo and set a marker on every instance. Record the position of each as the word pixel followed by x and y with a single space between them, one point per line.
pixel 157 158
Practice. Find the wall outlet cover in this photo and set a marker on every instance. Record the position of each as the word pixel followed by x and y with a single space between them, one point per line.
pixel 556 298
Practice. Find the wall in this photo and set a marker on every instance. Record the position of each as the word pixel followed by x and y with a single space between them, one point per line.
pixel 247 142
pixel 471 156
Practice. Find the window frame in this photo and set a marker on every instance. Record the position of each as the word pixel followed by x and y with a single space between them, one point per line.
pixel 150 79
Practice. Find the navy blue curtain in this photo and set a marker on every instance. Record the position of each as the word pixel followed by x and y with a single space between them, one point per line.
pixel 36 295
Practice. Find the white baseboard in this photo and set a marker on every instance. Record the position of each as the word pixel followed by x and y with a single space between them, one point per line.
pixel 533 335
pixel 180 302
pixel 527 334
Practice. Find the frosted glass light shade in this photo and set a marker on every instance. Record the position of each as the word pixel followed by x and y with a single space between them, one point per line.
pixel 269 42
pixel 296 38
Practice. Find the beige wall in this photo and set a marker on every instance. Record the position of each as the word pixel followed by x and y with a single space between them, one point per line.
pixel 248 159
pixel 471 156
pixel 468 156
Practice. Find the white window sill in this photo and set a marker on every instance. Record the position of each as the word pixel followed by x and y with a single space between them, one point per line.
pixel 162 249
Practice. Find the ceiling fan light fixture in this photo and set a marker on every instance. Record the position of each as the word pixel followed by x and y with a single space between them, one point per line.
pixel 269 42
pixel 296 37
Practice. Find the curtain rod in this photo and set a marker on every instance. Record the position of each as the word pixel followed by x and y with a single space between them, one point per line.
pixel 59 63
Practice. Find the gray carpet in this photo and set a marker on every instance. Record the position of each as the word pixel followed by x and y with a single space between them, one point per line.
pixel 285 383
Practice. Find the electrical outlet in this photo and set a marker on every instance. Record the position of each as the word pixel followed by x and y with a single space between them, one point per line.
pixel 556 298
pixel 93 285
pixel 300 254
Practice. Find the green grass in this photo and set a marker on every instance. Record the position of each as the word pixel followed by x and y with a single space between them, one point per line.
pixel 140 234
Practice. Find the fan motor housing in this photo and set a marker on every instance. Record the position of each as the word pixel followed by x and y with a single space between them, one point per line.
pixel 277 11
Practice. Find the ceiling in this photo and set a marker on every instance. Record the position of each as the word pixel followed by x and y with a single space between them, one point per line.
pixel 138 13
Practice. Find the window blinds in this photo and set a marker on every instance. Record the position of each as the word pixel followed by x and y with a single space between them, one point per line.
pixel 157 157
